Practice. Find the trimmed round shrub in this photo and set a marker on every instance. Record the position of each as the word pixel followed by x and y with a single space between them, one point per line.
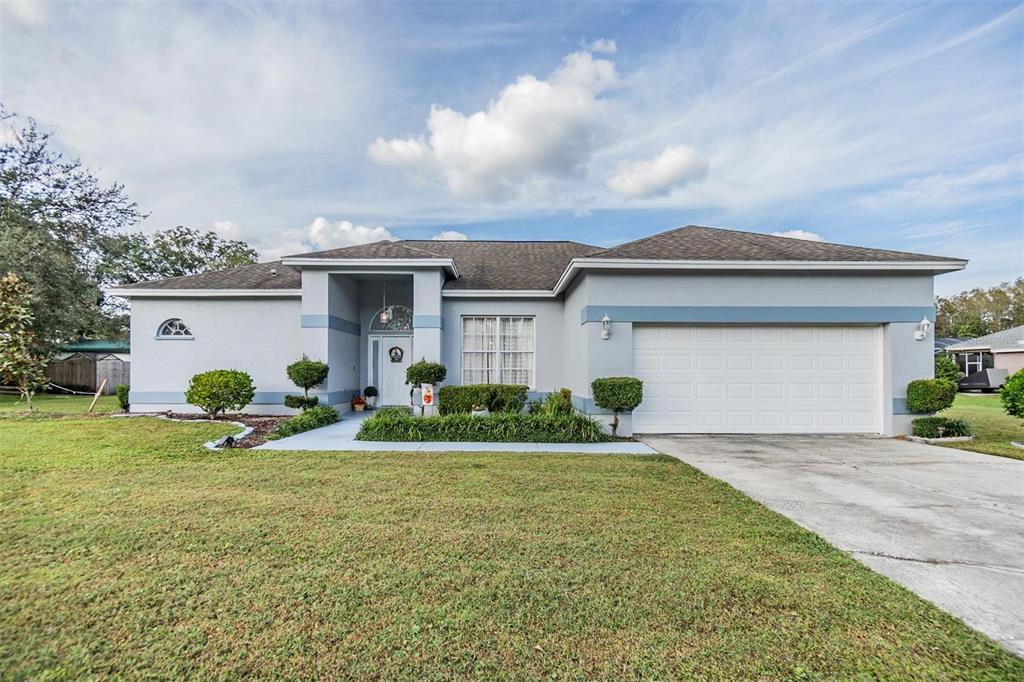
pixel 313 418
pixel 618 394
pixel 220 390
pixel 941 427
pixel 122 396
pixel 945 368
pixel 925 396
pixel 424 372
pixel 370 392
pixel 301 402
pixel 306 373
pixel 1012 395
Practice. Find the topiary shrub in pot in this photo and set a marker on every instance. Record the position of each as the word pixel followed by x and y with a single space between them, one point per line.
pixel 424 372
pixel 220 390
pixel 618 394
pixel 925 396
pixel 371 394
pixel 1012 395
pixel 305 374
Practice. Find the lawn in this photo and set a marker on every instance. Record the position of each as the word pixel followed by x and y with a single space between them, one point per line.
pixel 59 404
pixel 993 428
pixel 128 550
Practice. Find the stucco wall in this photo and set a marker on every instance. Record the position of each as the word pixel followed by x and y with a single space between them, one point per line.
pixel 1011 362
pixel 258 336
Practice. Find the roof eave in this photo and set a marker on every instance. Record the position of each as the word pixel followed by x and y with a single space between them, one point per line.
pixel 142 292
pixel 446 263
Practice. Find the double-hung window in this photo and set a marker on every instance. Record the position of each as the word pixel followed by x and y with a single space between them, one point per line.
pixel 498 350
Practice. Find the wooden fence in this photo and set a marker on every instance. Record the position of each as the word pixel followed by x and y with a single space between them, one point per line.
pixel 83 372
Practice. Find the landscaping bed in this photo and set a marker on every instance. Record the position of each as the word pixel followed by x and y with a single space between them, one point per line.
pixel 262 425
pixel 504 427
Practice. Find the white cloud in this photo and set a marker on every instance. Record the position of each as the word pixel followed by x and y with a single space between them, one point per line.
pixel 675 167
pixel 800 234
pixel 603 45
pixel 994 181
pixel 320 235
pixel 228 229
pixel 29 13
pixel 533 132
pixel 450 235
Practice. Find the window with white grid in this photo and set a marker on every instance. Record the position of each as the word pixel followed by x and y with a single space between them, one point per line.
pixel 497 350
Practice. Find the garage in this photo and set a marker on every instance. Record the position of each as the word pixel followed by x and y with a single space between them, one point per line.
pixel 758 379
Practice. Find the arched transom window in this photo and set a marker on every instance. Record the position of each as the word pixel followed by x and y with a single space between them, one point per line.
pixel 392 318
pixel 174 328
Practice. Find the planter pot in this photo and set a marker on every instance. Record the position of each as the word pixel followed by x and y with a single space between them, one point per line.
pixel 479 413
pixel 371 402
pixel 358 408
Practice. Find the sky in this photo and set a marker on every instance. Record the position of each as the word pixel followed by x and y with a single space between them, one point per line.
pixel 304 126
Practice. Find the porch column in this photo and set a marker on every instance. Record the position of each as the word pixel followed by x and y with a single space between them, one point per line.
pixel 426 309
pixel 331 332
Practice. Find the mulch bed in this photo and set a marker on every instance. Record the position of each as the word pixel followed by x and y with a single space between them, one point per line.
pixel 262 425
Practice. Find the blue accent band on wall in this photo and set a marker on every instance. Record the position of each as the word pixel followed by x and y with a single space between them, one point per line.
pixel 259 398
pixel 757 314
pixel 427 322
pixel 899 406
pixel 338 324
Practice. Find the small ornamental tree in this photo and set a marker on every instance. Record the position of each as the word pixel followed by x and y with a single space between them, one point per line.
pixel 220 390
pixel 945 368
pixel 618 394
pixel 305 374
pixel 925 396
pixel 20 362
pixel 1012 395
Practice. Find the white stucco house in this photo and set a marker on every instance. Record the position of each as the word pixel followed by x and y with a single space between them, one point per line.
pixel 731 332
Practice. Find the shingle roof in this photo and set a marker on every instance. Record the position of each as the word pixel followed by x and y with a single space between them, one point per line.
pixel 259 276
pixel 1011 339
pixel 381 249
pixel 694 242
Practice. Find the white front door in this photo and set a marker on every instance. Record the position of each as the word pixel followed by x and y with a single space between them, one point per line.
pixel 395 358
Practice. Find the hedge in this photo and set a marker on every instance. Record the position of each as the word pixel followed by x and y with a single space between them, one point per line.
pixel 313 418
pixel 941 427
pixel 925 396
pixel 220 390
pixel 494 428
pixel 495 397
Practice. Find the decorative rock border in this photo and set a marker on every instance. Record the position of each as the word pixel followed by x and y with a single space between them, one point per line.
pixel 957 439
pixel 1017 445
pixel 209 445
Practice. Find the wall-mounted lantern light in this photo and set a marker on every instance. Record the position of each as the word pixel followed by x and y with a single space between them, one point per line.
pixel 606 327
pixel 922 329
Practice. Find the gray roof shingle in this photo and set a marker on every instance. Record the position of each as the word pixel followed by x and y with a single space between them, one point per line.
pixel 1011 339
pixel 259 276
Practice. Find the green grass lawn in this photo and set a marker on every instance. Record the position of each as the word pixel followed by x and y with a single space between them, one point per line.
pixel 58 404
pixel 993 428
pixel 128 550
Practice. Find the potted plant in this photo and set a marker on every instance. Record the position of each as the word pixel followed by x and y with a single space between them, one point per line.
pixel 479 411
pixel 423 372
pixel 358 403
pixel 370 392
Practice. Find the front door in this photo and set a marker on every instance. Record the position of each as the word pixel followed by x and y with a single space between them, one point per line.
pixel 396 356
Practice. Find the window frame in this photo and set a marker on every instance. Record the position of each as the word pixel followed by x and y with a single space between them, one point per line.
pixel 160 336
pixel 497 352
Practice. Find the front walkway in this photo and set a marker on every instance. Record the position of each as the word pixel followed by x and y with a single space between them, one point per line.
pixel 945 523
pixel 342 436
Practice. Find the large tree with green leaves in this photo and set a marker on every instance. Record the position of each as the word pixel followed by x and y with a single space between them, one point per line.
pixel 179 251
pixel 21 362
pixel 980 311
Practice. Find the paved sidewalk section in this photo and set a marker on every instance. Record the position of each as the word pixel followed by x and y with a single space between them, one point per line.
pixel 342 436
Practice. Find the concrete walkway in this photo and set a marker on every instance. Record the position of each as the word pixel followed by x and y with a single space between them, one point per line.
pixel 947 524
pixel 342 436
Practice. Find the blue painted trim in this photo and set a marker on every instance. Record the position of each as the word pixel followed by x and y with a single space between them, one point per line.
pixel 899 406
pixel 259 398
pixel 756 314
pixel 427 322
pixel 331 322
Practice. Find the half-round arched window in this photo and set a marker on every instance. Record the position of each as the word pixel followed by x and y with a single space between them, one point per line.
pixel 174 328
pixel 392 318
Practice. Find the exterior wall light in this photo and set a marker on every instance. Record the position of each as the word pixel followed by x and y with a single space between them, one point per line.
pixel 922 329
pixel 606 327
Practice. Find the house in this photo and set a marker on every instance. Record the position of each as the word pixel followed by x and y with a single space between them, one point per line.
pixel 1002 351
pixel 84 365
pixel 730 331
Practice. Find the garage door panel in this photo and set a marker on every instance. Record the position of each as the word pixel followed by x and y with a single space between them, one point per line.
pixel 751 379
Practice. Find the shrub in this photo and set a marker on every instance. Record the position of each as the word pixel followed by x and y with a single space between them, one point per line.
pixel 925 396
pixel 1012 395
pixel 220 390
pixel 313 418
pixel 945 368
pixel 495 428
pixel 306 373
pixel 536 407
pixel 122 396
pixel 495 397
pixel 559 403
pixel 940 427
pixel 424 372
pixel 301 402
pixel 370 392
pixel 618 394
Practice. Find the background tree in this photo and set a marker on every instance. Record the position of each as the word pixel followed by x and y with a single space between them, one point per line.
pixel 20 363
pixel 980 311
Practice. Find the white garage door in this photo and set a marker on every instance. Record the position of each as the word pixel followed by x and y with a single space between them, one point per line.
pixel 760 379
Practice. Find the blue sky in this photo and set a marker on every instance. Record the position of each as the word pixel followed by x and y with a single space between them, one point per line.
pixel 301 126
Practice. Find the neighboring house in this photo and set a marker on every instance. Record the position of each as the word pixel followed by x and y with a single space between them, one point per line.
pixel 943 343
pixel 1002 350
pixel 730 331
pixel 84 365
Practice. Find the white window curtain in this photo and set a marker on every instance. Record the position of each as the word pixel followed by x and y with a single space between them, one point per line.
pixel 498 350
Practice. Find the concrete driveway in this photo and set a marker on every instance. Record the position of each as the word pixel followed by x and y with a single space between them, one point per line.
pixel 947 524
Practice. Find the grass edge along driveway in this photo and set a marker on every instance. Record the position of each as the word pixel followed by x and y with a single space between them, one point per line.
pixel 126 549
pixel 993 428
